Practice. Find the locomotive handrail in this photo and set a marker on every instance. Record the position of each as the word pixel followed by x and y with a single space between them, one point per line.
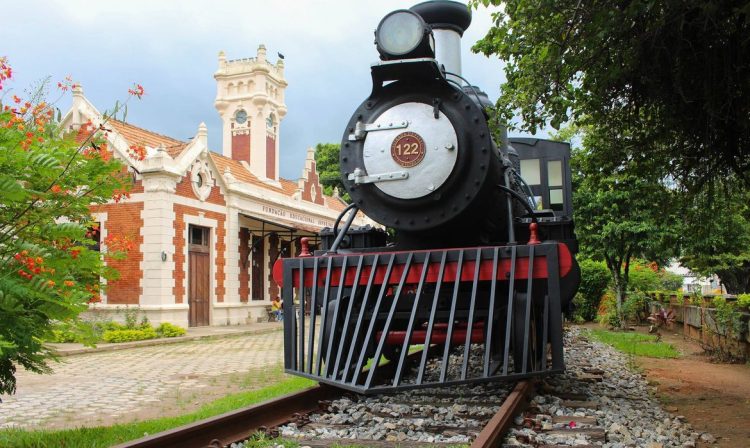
pixel 340 235
pixel 520 199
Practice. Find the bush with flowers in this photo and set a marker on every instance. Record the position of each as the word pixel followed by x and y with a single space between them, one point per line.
pixel 49 179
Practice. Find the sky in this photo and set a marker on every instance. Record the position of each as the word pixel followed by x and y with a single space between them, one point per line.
pixel 171 48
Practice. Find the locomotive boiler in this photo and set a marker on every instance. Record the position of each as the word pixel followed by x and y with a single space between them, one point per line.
pixel 470 284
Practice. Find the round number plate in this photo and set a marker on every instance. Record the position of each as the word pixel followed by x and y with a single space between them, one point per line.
pixel 408 149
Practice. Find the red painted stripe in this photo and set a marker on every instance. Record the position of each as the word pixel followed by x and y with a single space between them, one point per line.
pixel 437 337
pixel 433 269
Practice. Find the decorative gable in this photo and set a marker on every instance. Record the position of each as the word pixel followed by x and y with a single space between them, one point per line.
pixel 201 179
pixel 309 183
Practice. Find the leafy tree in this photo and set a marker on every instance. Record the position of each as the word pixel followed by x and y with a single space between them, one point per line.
pixel 327 162
pixel 677 71
pixel 716 234
pixel 595 278
pixel 49 272
pixel 623 210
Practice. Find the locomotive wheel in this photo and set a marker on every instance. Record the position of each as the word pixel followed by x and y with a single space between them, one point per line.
pixel 337 330
pixel 536 345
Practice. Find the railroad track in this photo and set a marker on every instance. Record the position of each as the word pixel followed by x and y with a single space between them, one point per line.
pixel 306 410
pixel 598 401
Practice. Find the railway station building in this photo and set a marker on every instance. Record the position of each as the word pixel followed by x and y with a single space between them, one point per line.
pixel 207 227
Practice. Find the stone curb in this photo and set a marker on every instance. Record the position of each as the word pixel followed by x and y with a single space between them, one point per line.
pixel 62 351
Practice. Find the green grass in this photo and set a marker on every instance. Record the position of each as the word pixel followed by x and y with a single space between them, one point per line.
pixel 105 436
pixel 637 344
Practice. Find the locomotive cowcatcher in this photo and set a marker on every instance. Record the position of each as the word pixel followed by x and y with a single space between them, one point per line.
pixel 480 262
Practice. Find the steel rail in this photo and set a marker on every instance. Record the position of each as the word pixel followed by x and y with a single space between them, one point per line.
pixel 492 434
pixel 233 426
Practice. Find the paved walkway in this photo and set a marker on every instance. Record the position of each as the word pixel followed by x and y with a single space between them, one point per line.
pixel 103 386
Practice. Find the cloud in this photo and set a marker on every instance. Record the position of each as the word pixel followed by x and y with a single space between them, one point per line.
pixel 171 48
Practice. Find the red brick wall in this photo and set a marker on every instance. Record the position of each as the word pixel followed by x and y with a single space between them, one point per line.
pixel 244 276
pixel 137 187
pixel 186 190
pixel 241 147
pixel 270 157
pixel 124 221
pixel 180 265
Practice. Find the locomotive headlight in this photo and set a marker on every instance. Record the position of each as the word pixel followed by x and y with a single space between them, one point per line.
pixel 403 34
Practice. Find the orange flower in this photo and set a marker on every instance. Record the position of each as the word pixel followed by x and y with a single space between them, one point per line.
pixel 51 283
pixel 137 91
pixel 69 283
pixel 56 189
pixel 138 152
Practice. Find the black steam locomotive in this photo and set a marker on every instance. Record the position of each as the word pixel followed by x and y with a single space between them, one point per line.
pixel 480 262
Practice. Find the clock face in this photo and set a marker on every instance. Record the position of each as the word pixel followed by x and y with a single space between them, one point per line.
pixel 240 117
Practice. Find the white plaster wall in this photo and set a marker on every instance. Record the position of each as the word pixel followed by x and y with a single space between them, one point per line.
pixel 156 314
pixel 232 269
pixel 158 236
pixel 102 219
pixel 232 314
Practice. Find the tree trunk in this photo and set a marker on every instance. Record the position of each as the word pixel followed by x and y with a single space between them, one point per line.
pixel 619 284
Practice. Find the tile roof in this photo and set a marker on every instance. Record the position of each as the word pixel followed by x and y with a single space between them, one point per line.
pixel 242 174
pixel 139 136
pixel 334 203
pixel 136 135
pixel 288 187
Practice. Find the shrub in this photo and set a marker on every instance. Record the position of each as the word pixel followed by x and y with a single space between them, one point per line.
pixel 635 307
pixel 63 334
pixel 80 331
pixel 131 317
pixel 167 330
pixel 662 318
pixel 607 313
pixel 50 178
pixel 743 300
pixel 129 335
pixel 110 325
pixel 594 280
pixel 644 278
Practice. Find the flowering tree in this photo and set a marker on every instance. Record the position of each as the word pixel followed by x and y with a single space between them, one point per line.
pixel 50 265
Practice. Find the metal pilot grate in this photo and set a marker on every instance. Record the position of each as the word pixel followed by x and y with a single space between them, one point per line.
pixel 482 314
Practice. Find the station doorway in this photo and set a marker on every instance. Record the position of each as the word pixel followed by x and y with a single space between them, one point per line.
pixel 199 276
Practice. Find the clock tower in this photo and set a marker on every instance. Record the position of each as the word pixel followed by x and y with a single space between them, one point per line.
pixel 250 101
